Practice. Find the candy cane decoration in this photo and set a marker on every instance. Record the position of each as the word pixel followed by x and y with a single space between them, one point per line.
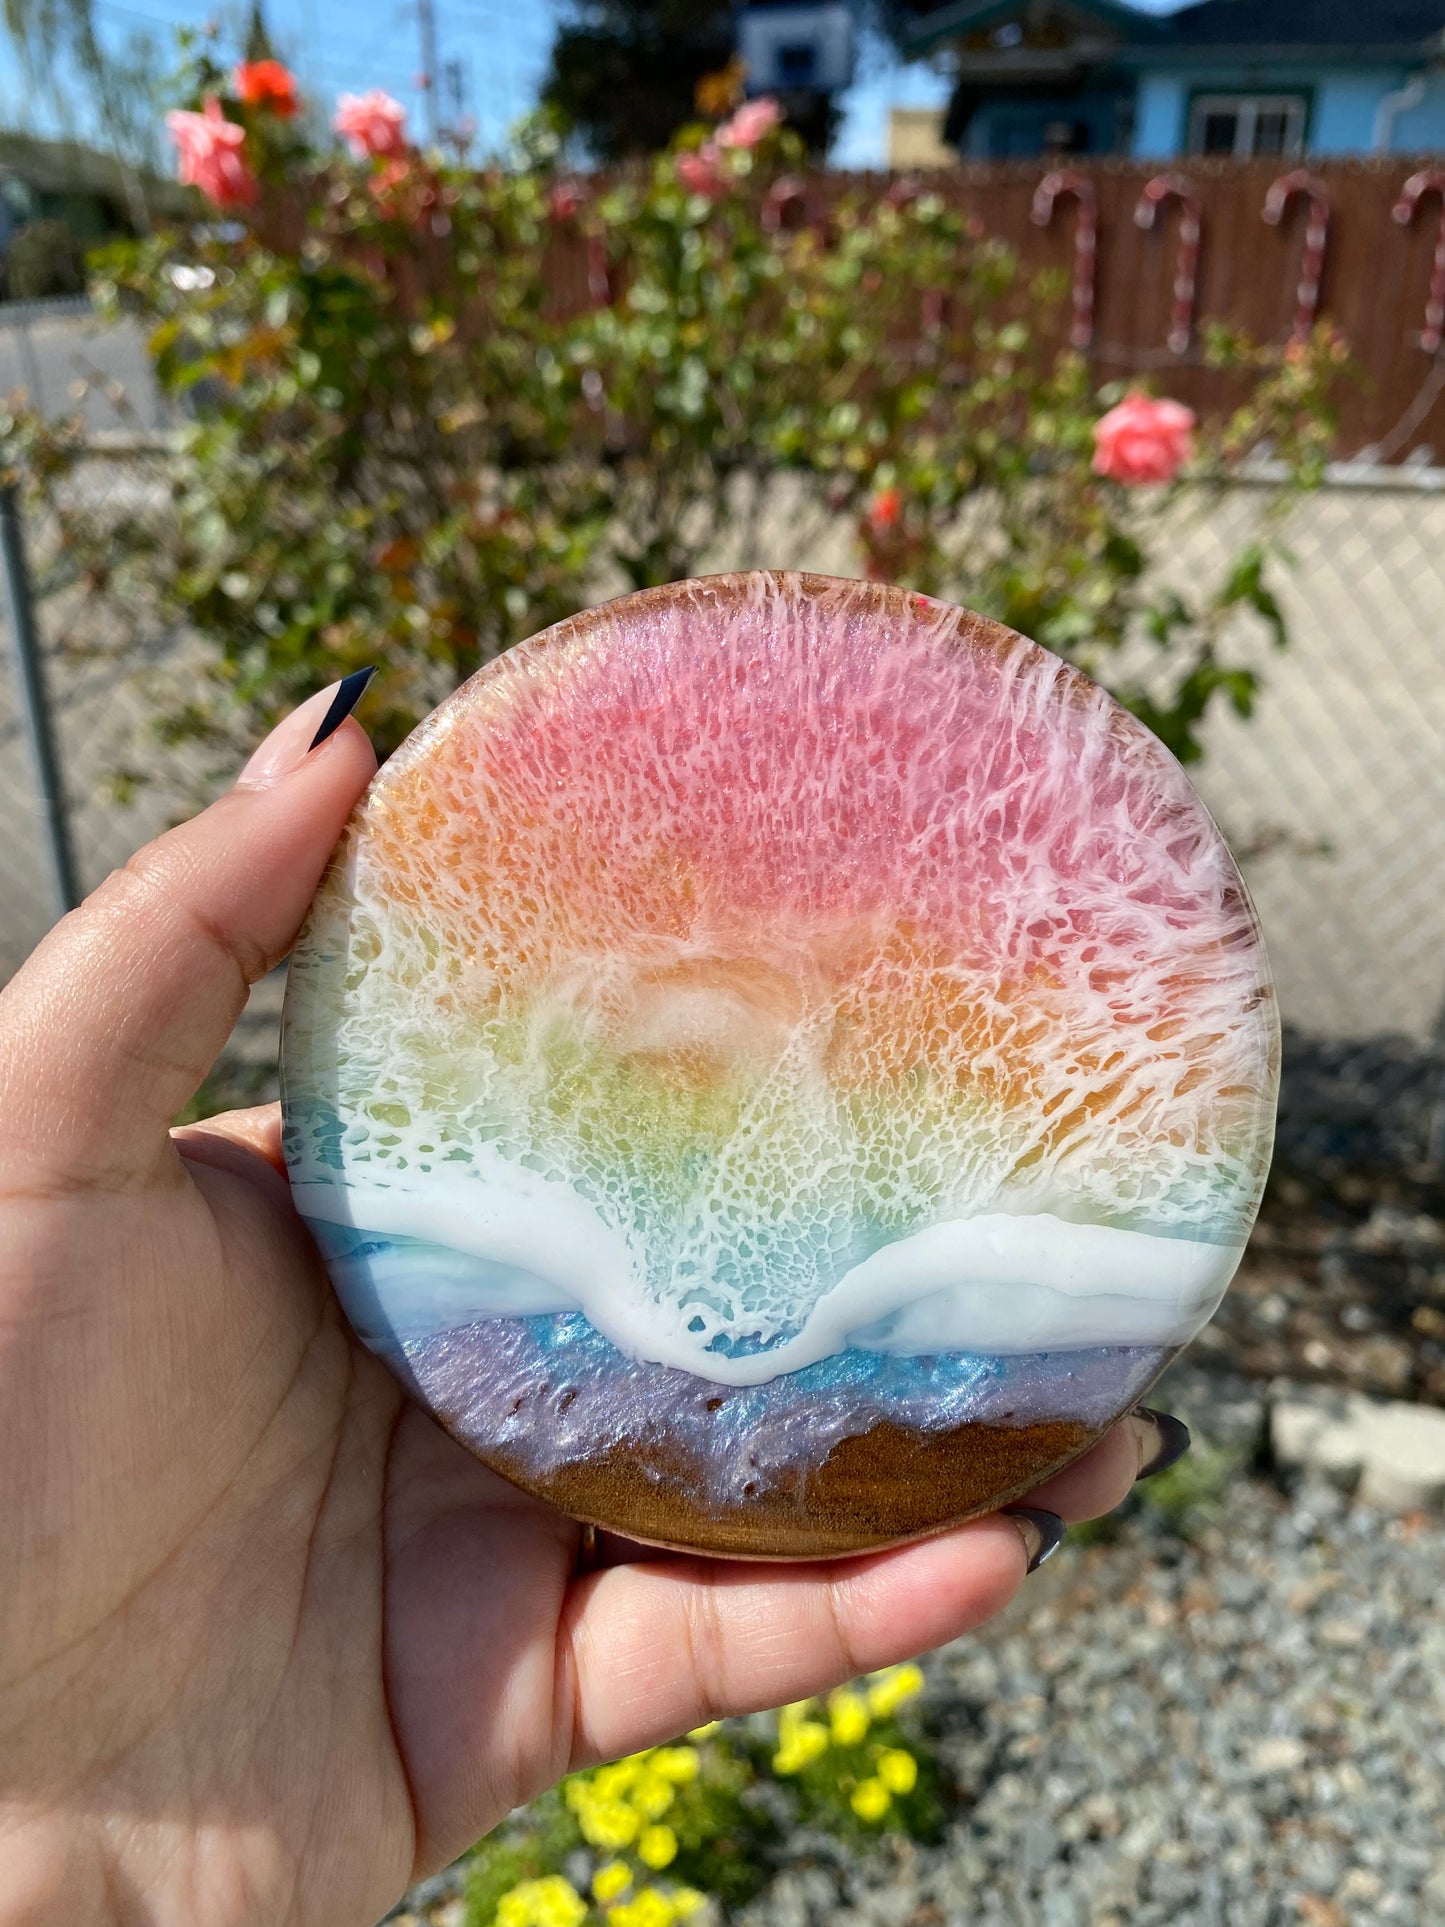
pixel 1430 180
pixel 599 289
pixel 1317 231
pixel 1086 242
pixel 1174 187
pixel 782 196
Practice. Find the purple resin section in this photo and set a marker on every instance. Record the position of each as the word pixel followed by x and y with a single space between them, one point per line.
pixel 554 1393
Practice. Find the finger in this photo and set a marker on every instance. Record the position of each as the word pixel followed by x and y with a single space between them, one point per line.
pixel 652 1650
pixel 239 1141
pixel 1101 1480
pixel 112 1025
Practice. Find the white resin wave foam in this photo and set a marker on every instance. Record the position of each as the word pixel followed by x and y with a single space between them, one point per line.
pixel 996 1284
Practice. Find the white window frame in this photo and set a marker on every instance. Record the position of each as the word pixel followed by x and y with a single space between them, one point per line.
pixel 1247 109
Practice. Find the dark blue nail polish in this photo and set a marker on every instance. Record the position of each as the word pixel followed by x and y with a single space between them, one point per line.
pixel 349 692
pixel 1173 1442
pixel 1047 1526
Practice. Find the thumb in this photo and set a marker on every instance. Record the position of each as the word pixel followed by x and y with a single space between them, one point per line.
pixel 114 1022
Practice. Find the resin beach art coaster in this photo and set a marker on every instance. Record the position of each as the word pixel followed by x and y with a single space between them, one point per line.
pixel 778 1065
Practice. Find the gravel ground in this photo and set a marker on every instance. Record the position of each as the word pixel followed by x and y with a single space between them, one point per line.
pixel 1344 1280
pixel 1246 1730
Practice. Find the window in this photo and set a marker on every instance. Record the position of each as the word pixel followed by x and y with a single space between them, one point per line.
pixel 1247 124
pixel 797 63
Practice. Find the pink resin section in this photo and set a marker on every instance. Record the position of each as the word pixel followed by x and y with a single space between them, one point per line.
pixel 830 804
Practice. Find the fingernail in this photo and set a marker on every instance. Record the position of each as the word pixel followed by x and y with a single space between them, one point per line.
pixel 1163 1441
pixel 348 693
pixel 305 729
pixel 1041 1532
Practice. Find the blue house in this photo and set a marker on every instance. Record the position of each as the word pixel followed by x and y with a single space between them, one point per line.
pixel 1242 77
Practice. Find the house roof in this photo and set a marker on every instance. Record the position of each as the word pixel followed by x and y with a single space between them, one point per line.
pixel 71 167
pixel 1399 29
pixel 1335 24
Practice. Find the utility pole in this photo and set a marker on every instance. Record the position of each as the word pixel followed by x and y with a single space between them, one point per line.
pixel 461 124
pixel 426 20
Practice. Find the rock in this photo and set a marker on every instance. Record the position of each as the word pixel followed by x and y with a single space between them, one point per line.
pixel 1315 1428
pixel 1316 1911
pixel 1394 1449
pixel 1281 1754
pixel 1404 1457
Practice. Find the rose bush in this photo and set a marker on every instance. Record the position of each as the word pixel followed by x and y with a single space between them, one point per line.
pixel 430 409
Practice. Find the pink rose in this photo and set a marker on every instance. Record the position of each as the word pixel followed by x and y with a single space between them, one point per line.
pixel 371 124
pixel 566 199
pixel 748 125
pixel 210 155
pixel 1143 440
pixel 699 172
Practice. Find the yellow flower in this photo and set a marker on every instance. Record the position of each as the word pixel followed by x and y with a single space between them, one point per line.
pixel 652 1795
pixel 549 1902
pixel 848 1717
pixel 871 1800
pixel 799 1745
pixel 657 1847
pixel 888 1691
pixel 897 1770
pixel 651 1908
pixel 676 1763
pixel 611 1880
pixel 615 1782
pixel 561 1905
pixel 704 1732
pixel 685 1901
pixel 608 1824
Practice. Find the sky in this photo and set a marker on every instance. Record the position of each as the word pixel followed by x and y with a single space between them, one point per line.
pixel 346 46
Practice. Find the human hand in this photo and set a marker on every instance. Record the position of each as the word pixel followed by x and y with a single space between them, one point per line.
pixel 271 1644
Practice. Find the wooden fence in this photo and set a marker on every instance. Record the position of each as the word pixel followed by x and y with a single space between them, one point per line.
pixel 1272 246
pixel 1381 279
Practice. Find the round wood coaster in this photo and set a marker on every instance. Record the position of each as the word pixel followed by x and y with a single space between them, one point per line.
pixel 778 1065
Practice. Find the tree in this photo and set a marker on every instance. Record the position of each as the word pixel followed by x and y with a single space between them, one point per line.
pixel 624 73
pixel 58 44
pixel 258 44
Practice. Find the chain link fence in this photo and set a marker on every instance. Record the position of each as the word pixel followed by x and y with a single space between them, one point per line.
pixel 1333 792
pixel 1333 795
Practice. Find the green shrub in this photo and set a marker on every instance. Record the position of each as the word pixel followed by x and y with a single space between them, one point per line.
pixel 433 410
